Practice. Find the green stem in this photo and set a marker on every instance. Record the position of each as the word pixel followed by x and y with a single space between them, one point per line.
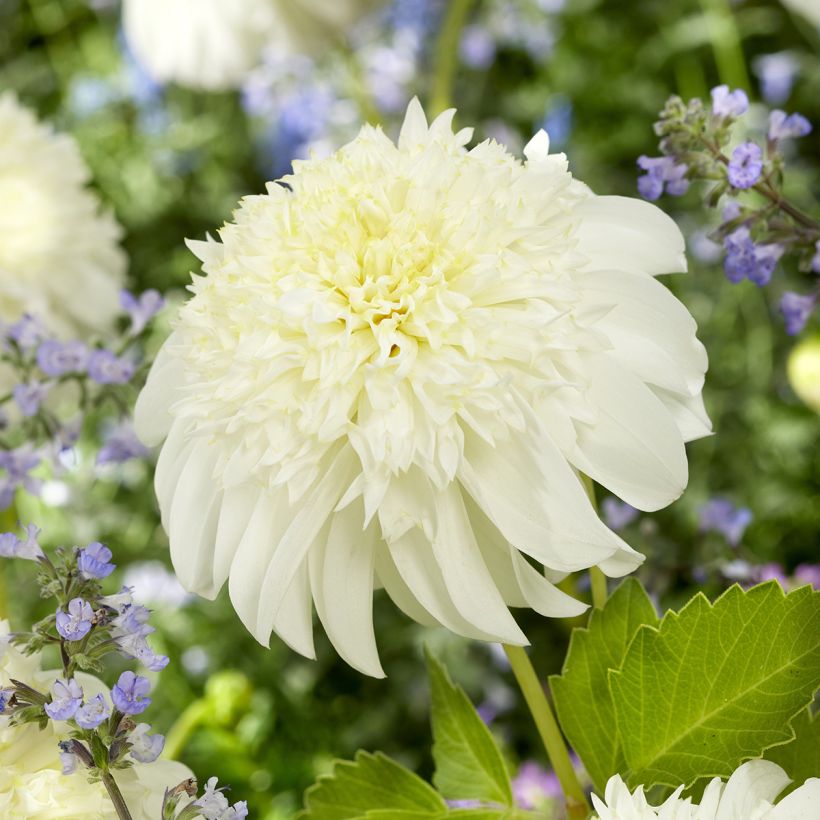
pixel 597 579
pixel 180 733
pixel 547 725
pixel 723 33
pixel 116 795
pixel 445 57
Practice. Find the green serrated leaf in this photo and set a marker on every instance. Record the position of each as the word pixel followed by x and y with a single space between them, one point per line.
pixel 371 783
pixel 469 764
pixel 800 757
pixel 715 685
pixel 581 691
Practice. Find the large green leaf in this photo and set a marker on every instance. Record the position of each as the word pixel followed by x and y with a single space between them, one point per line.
pixel 372 786
pixel 469 764
pixel 581 691
pixel 800 758
pixel 715 685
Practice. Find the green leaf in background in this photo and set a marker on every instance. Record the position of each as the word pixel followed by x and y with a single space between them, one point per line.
pixel 373 787
pixel 581 691
pixel 800 758
pixel 469 765
pixel 715 685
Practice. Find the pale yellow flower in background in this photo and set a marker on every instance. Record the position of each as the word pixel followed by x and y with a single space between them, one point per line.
pixel 749 794
pixel 803 369
pixel 213 44
pixel 391 375
pixel 59 254
pixel 32 785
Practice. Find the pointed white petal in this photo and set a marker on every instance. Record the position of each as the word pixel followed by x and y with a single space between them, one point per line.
pixel 341 573
pixel 294 619
pixel 623 233
pixel 414 128
pixel 152 419
pixel 538 148
pixel 688 413
pixel 172 458
pixel 749 785
pixel 394 585
pixel 238 504
pixel 634 447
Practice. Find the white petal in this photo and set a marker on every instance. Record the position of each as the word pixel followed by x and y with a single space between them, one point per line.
pixel 172 458
pixel 749 785
pixel 634 448
pixel 394 585
pixel 414 128
pixel 294 619
pixel 538 147
pixel 470 585
pixel 307 521
pixel 530 493
pixel 623 233
pixel 152 421
pixel 802 804
pixel 688 413
pixel 238 504
pixel 341 574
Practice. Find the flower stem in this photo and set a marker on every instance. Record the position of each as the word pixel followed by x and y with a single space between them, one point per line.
pixel 116 796
pixel 445 57
pixel 547 725
pixel 185 725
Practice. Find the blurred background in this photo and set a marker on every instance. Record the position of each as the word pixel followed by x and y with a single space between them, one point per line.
pixel 173 144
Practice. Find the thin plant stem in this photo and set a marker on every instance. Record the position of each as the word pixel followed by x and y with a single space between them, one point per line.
pixel 597 579
pixel 541 711
pixel 725 39
pixel 445 57
pixel 116 796
pixel 185 725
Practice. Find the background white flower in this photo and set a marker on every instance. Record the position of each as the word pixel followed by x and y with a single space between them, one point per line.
pixel 391 375
pixel 212 44
pixel 59 253
pixel 32 784
pixel 749 794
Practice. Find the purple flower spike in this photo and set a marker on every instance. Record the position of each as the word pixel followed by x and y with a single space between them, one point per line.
pixel 145 748
pixel 121 444
pixel 740 255
pixel 29 397
pixel 90 715
pixel 796 310
pixel 18 464
pixel 56 358
pixel 722 516
pixel 95 561
pixel 77 622
pixel 784 126
pixel 66 697
pixel 662 173
pixel 129 694
pixel 106 368
pixel 746 165
pixel 766 259
pixel 807 574
pixel 727 103
pixel 27 332
pixel 141 308
pixel 533 785
pixel 13 547
pixel 618 514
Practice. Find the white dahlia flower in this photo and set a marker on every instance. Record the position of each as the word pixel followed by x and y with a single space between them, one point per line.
pixel 213 44
pixel 749 794
pixel 391 376
pixel 59 253
pixel 32 785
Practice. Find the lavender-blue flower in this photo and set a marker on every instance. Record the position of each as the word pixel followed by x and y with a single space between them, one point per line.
pixel 727 103
pixel 746 165
pixel 104 367
pixel 56 358
pixel 75 624
pixel 91 714
pixel 66 697
pixel 130 693
pixel 796 309
pixel 95 561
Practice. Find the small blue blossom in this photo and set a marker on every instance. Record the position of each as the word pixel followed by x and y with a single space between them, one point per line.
pixel 722 516
pixel 145 748
pixel 130 631
pixel 91 714
pixel 120 443
pixel 141 309
pixel 18 463
pixel 796 310
pixel 28 397
pixel 745 260
pixel 129 693
pixel 784 126
pixel 66 697
pixel 95 561
pixel 75 624
pixel 213 805
pixel 662 173
pixel 27 332
pixel 13 547
pixel 5 697
pixel 777 73
pixel 104 367
pixel 57 358
pixel 766 259
pixel 618 514
pixel 533 785
pixel 477 47
pixel 746 165
pixel 727 103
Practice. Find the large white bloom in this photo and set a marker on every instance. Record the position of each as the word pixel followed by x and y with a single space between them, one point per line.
pixel 32 784
pixel 749 794
pixel 212 44
pixel 391 375
pixel 59 257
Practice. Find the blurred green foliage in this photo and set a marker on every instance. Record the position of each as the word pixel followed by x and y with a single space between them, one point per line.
pixel 267 721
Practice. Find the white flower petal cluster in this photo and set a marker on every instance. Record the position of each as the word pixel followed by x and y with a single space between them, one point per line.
pixel 213 44
pixel 59 253
pixel 32 784
pixel 391 375
pixel 749 794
